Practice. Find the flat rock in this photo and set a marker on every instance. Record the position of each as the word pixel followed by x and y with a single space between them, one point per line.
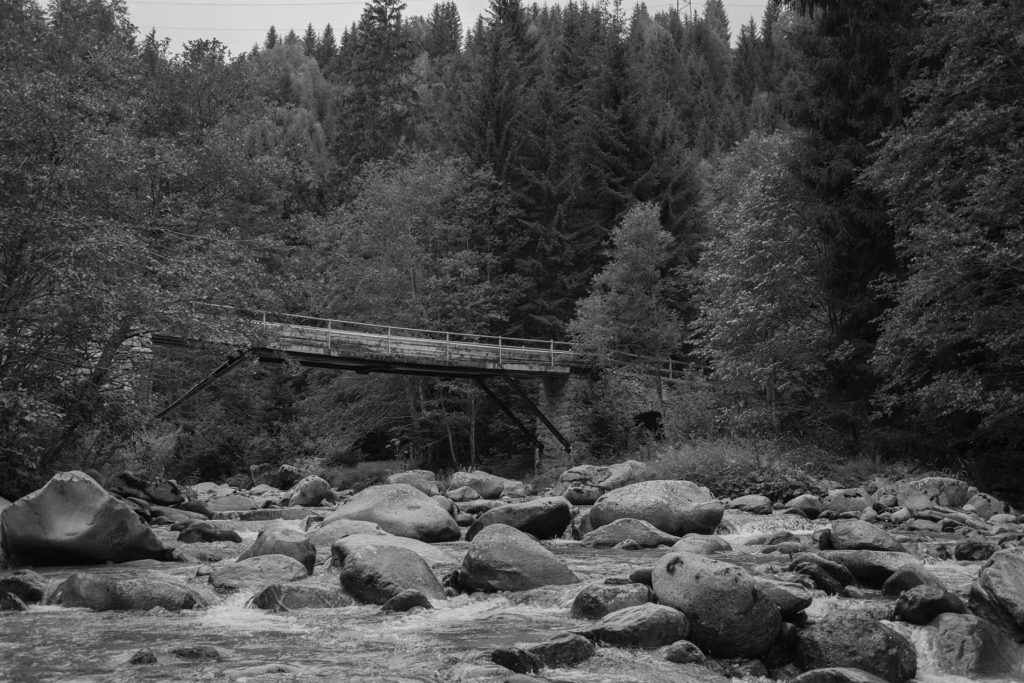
pixel 283 541
pixel 232 502
pixel 701 544
pixel 431 554
pixel 284 597
pixel 256 572
pixel 487 485
pixel 754 503
pixel 846 500
pixel 646 626
pixel 106 592
pixel 424 480
pixel 401 510
pixel 326 533
pixel 855 534
pixel 645 534
pixel 561 650
pixel 673 506
pixel 600 599
pixel 929 492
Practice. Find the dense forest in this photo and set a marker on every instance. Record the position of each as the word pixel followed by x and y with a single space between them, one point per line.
pixel 820 217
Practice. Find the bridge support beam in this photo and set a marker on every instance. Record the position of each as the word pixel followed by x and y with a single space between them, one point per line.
pixel 557 395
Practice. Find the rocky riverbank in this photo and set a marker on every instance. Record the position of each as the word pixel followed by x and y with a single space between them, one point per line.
pixel 896 581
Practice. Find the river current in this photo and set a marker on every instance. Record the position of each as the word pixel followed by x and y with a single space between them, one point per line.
pixel 356 643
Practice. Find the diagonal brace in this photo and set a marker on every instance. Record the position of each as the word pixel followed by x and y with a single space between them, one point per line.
pixel 518 388
pixel 224 368
pixel 512 416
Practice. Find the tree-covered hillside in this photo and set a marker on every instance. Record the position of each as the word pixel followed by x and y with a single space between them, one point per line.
pixel 819 218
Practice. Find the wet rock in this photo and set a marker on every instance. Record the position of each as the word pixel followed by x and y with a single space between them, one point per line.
pixel 562 650
pixel 739 668
pixel 846 500
pixel 837 674
pixel 311 492
pixel 231 502
pixel 645 534
pixel 998 593
pixel 105 592
pixel 921 604
pixel 584 484
pixel 423 480
pixel 73 520
pixel 929 492
pixel 9 602
pixel 854 640
pixel 487 485
pixel 597 600
pixel 401 510
pixel 542 517
pixel 197 653
pixel 642 575
pixel 485 672
pixel 405 601
pixel 646 626
pixel 683 652
pixel 283 597
pixel 966 645
pixel 701 544
pixel 462 494
pixel 808 503
pixel 431 554
pixel 143 657
pixel 26 584
pixel 375 574
pixel 855 534
pixel 729 613
pixel 974 550
pixel 786 548
pixel 283 541
pixel 675 507
pixel 501 558
pixel 754 504
pixel 515 659
pixel 985 506
pixel 205 533
pixel 872 567
pixel 256 572
pixel 326 533
pixel 790 598
pixel 907 577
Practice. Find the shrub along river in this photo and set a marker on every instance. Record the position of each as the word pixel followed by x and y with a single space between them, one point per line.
pixel 359 643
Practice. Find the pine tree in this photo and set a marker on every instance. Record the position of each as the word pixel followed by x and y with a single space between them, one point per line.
pixel 327 51
pixel 271 41
pixel 445 30
pixel 292 38
pixel 310 42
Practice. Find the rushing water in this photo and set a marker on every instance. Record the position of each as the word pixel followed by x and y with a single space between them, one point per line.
pixel 359 643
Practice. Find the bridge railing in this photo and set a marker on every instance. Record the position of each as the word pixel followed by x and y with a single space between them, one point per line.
pixel 389 341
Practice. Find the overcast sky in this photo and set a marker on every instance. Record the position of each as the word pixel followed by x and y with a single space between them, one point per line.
pixel 240 23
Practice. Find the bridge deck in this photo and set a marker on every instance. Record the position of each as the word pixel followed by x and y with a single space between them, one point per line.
pixel 346 345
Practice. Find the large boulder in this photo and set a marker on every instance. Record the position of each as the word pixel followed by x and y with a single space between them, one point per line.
pixel 256 572
pixel 486 485
pixel 701 544
pixel 106 592
pixel 646 626
pixel 966 645
pixel 790 598
pixel 584 484
pixel 310 492
pixel 998 592
pixel 730 614
pixel 644 534
pixel 921 604
pixel 283 541
pixel 929 492
pixel 73 520
pixel 676 507
pixel 846 500
pixel 854 534
pixel 984 505
pixel 283 597
pixel 401 510
pixel 502 558
pixel 375 574
pixel 431 554
pixel 599 599
pixel 541 517
pixel 561 650
pixel 855 640
pixel 423 480
pixel 754 503
pixel 27 585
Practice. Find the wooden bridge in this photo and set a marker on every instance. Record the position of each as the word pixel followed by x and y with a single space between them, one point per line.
pixel 364 348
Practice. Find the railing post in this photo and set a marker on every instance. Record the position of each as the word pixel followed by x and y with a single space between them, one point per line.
pixel 264 318
pixel 447 346
pixel 389 341
pixel 499 350
pixel 328 335
pixel 670 368
pixel 552 353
